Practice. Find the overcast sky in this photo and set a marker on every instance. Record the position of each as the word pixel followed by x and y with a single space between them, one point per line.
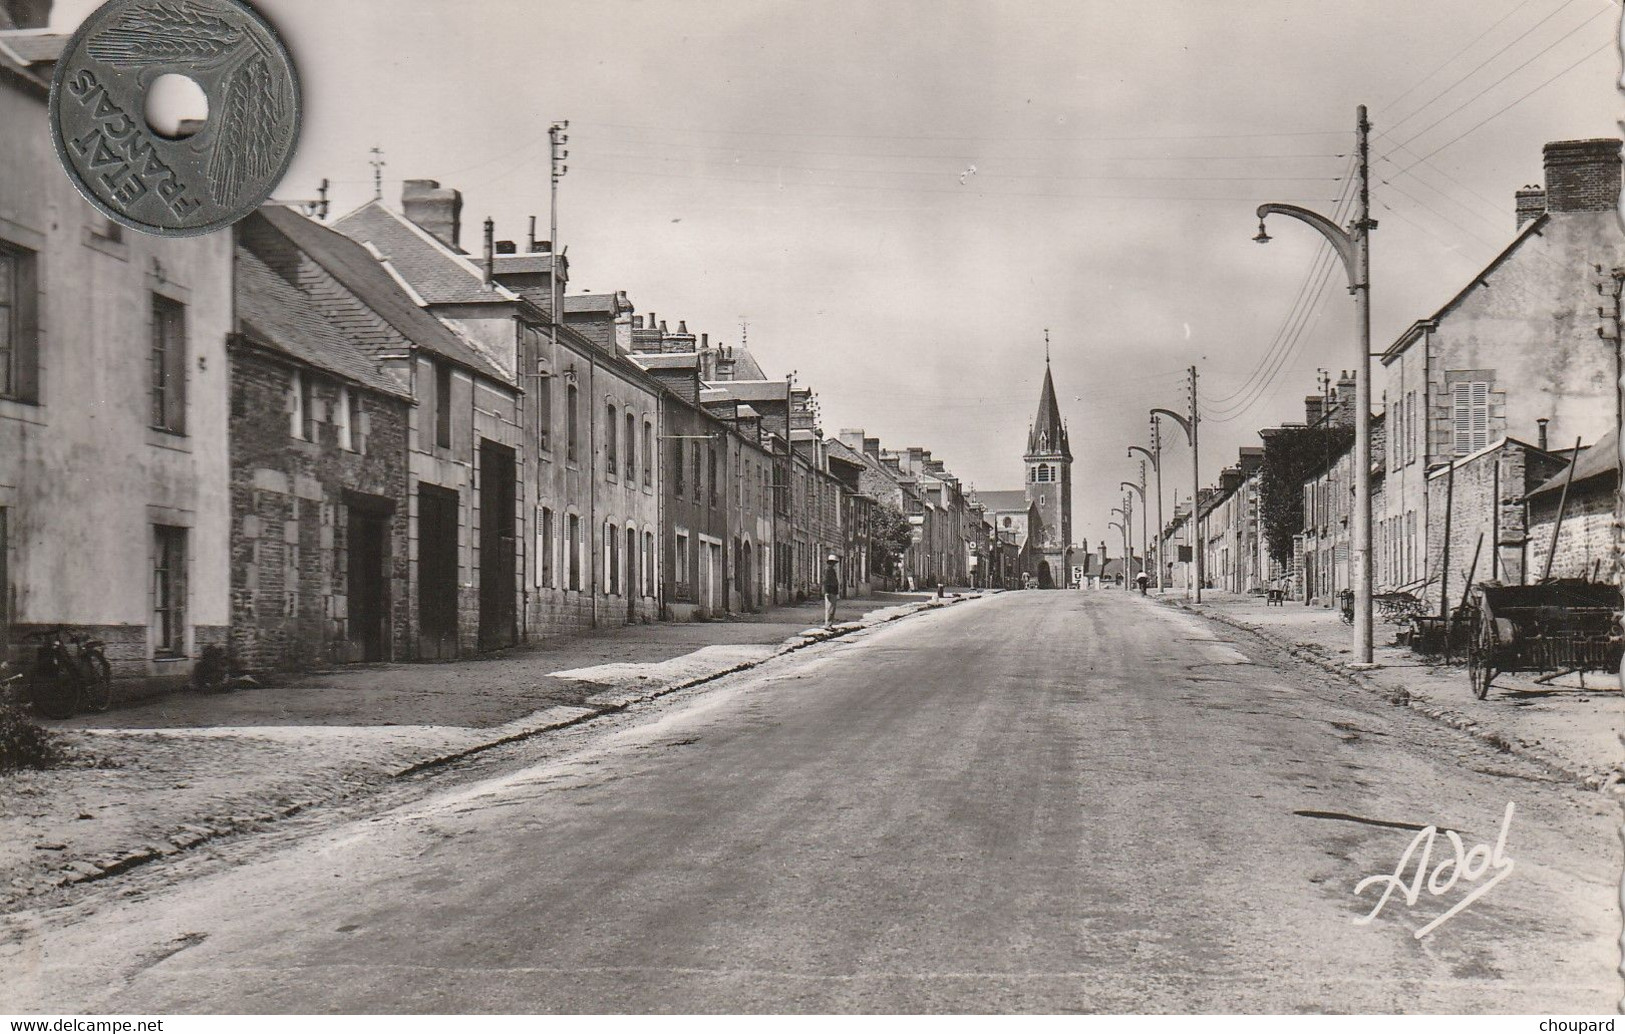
pixel 900 197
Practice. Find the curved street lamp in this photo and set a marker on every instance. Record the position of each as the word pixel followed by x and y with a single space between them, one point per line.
pixel 1145 541
pixel 1124 536
pixel 1127 512
pixel 1156 467
pixel 1354 248
pixel 1188 425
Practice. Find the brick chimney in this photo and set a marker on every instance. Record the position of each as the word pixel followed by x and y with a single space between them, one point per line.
pixel 26 14
pixel 1582 175
pixel 1531 202
pixel 1314 407
pixel 852 438
pixel 439 210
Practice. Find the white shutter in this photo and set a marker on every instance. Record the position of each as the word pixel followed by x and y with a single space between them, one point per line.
pixel 1461 409
pixel 1480 414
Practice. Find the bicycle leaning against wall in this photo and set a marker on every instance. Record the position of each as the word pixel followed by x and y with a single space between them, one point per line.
pixel 70 673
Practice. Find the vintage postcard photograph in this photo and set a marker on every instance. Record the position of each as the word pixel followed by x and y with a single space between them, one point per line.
pixel 739 507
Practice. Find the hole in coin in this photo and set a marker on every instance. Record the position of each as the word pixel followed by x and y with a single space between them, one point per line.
pixel 176 106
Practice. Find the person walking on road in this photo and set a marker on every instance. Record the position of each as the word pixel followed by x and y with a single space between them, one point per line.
pixel 832 588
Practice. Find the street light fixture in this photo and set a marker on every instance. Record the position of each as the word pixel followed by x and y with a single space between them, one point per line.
pixel 1127 512
pixel 1189 427
pixel 1124 536
pixel 1156 467
pixel 1145 542
pixel 1354 248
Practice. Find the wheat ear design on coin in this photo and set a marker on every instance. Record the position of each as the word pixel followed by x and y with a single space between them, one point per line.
pixel 165 32
pixel 249 124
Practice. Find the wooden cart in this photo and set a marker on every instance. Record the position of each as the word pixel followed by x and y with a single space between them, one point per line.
pixel 1556 627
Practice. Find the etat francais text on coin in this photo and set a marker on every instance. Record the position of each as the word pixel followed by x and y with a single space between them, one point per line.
pixel 153 183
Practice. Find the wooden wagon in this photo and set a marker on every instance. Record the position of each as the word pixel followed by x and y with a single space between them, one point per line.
pixel 1556 627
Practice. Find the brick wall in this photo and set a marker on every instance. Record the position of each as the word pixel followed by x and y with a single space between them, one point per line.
pixel 290 518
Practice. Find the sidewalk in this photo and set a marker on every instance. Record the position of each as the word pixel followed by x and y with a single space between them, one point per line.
pixel 167 774
pixel 1573 731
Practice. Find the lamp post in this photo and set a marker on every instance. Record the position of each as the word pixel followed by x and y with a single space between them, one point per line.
pixel 1126 511
pixel 1145 543
pixel 1156 467
pixel 1188 425
pixel 1124 536
pixel 1354 248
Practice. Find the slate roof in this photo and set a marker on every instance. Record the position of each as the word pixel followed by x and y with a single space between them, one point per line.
pixel 754 391
pixel 438 274
pixel 362 274
pixel 1600 460
pixel 606 302
pixel 1003 501
pixel 277 315
pixel 666 360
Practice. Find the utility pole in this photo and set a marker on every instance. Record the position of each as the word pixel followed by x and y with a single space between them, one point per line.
pixel 1353 246
pixel 377 164
pixel 1196 490
pixel 321 203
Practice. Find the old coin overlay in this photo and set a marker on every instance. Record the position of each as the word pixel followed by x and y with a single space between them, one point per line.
pixel 151 182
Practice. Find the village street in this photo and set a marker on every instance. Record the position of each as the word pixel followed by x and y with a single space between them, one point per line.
pixel 917 817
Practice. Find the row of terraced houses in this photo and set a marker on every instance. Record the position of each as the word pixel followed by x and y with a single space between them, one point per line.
pixel 306 442
pixel 1495 444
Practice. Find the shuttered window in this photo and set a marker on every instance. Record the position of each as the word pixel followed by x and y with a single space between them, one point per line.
pixel 19 325
pixel 1470 406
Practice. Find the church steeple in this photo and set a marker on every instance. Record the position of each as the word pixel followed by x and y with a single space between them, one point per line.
pixel 1047 436
pixel 1049 486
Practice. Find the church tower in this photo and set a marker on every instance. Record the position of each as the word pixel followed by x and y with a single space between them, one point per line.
pixel 1049 485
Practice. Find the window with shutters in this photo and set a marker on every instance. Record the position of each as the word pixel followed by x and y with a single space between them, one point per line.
pixel 544 550
pixel 19 324
pixel 442 405
pixel 678 477
pixel 1413 431
pixel 168 365
pixel 648 453
pixel 574 549
pixel 544 412
pixel 1470 416
pixel 571 419
pixel 611 429
pixel 632 448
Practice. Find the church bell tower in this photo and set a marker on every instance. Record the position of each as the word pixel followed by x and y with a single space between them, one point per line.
pixel 1049 485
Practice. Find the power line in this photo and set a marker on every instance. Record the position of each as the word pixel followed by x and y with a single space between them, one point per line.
pixel 1497 114
pixel 1555 43
pixel 945 173
pixel 1446 63
pixel 1006 139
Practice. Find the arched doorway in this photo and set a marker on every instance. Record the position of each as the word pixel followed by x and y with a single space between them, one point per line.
pixel 1045 579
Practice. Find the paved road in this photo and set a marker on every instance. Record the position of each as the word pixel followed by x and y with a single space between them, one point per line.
pixel 1034 802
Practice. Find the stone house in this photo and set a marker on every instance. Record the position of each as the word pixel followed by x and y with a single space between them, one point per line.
pixel 461 399
pixel 1517 345
pixel 1480 529
pixel 1589 537
pixel 114 510
pixel 320 569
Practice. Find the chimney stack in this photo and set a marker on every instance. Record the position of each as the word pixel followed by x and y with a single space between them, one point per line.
pixel 1582 175
pixel 1531 203
pixel 1314 407
pixel 437 210
pixel 507 248
pixel 1540 435
pixel 530 235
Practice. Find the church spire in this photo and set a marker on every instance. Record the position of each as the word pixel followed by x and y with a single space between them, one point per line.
pixel 1048 434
